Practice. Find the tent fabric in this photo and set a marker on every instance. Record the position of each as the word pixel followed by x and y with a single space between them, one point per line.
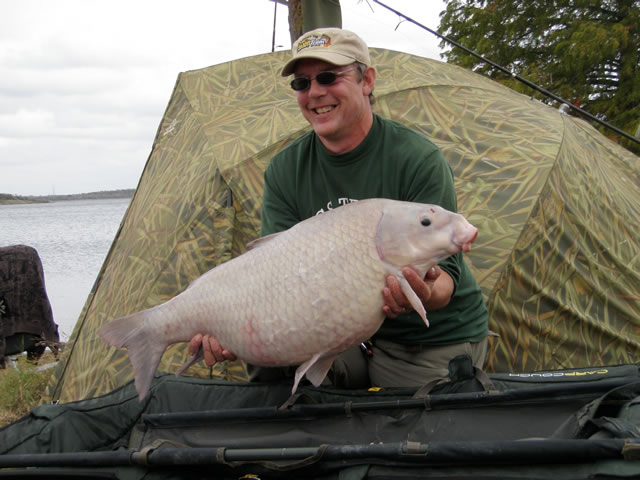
pixel 556 203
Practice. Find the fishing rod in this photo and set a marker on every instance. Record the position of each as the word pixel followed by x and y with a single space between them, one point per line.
pixel 493 452
pixel 514 75
pixel 431 402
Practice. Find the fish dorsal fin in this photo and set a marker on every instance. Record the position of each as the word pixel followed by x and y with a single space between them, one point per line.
pixel 259 242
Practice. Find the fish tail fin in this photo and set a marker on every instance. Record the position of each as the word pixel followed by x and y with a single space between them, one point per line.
pixel 145 348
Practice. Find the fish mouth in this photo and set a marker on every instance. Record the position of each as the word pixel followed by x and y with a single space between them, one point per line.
pixel 467 241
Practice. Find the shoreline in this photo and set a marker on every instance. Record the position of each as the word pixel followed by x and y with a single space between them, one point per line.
pixel 9 199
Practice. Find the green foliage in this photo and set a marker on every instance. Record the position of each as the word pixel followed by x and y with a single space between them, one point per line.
pixel 20 390
pixel 585 51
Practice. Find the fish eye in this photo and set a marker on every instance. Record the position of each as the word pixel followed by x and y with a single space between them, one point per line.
pixel 425 222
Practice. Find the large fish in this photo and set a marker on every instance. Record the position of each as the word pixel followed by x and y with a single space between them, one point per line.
pixel 302 296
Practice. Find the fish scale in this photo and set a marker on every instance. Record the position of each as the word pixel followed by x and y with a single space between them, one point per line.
pixel 302 296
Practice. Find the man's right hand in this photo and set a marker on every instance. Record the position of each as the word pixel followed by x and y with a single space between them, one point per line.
pixel 434 291
pixel 213 352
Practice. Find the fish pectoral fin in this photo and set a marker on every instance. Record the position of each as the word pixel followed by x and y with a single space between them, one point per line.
pixel 199 355
pixel 316 368
pixel 413 299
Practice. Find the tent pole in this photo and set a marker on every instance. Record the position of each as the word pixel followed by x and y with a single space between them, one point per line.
pixel 273 38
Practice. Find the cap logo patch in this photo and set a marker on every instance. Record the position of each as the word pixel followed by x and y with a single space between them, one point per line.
pixel 314 41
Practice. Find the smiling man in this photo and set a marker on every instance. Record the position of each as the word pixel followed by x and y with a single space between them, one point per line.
pixel 339 111
pixel 352 154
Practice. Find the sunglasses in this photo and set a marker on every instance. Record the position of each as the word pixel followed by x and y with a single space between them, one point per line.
pixel 323 78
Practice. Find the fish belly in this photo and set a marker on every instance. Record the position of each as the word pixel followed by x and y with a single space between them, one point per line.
pixel 311 289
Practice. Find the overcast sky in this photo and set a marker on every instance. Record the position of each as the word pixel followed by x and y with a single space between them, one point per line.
pixel 84 83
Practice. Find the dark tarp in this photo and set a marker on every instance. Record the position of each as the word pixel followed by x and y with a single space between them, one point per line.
pixel 555 424
pixel 25 312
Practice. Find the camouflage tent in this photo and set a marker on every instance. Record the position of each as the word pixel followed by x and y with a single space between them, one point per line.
pixel 557 205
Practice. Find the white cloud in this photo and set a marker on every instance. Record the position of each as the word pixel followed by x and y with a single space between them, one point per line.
pixel 84 83
pixel 25 122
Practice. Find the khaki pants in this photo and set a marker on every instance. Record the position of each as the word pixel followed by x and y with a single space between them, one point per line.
pixel 397 365
pixel 391 365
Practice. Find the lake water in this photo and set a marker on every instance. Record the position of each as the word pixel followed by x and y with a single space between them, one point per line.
pixel 72 239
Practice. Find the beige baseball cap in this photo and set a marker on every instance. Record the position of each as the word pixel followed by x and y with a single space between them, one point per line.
pixel 333 45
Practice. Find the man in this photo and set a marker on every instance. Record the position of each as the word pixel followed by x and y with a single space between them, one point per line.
pixel 352 154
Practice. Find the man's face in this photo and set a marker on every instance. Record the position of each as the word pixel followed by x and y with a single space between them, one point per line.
pixel 339 113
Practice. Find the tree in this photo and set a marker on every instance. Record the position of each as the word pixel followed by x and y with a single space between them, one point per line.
pixel 307 15
pixel 585 51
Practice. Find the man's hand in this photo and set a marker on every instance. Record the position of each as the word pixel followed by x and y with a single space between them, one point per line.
pixel 211 349
pixel 434 291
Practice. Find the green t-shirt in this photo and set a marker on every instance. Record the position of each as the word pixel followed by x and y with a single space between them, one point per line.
pixel 393 162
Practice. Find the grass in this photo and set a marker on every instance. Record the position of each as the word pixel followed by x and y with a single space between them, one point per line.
pixel 22 389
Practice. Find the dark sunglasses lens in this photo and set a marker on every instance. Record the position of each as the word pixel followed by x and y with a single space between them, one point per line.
pixel 300 83
pixel 326 78
pixel 323 78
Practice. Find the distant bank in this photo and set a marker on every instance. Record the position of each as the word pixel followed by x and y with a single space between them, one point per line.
pixel 8 199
